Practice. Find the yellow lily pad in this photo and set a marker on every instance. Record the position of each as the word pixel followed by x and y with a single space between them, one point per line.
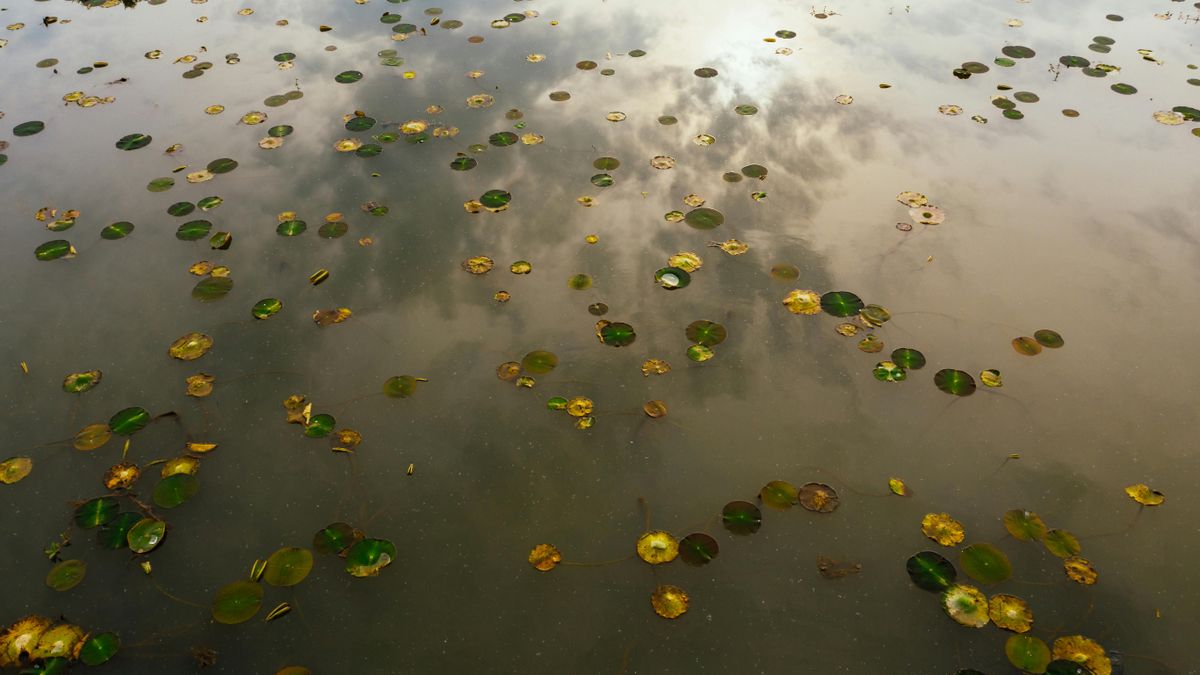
pixel 657 547
pixel 544 557
pixel 1010 613
pixel 669 602
pixel 943 529
pixel 1142 494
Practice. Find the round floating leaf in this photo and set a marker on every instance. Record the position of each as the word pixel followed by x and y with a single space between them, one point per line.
pixel 1048 338
pixel 1061 543
pixel 129 421
pixel 698 549
pixel 672 278
pixel 98 649
pixel 175 490
pixel 335 538
pixel 28 128
pixel 222 165
pixel 280 130
pixel 985 563
pixel 1027 653
pixel 113 534
pixel 400 386
pixel 53 250
pixel 133 142
pixel 779 495
pixel 95 512
pixel 602 180
pixel 1018 52
pixel 210 203
pixel 617 334
pixel 941 528
pixel 368 556
pixel 146 535
pixel 669 602
pixel 360 123
pixel 495 199
pixel 66 575
pixel 700 353
pixel 657 547
pixel 1026 346
pixel 118 230
pixel 291 228
pixel 606 163
pixel 705 72
pixel 503 139
pixel 1065 667
pixel 1122 88
pixel 237 602
pixel 161 184
pixel 930 571
pixel 704 218
pixel 463 163
pixel 1014 114
pixel 1024 525
pixel 266 308
pixel 580 282
pixel 1003 62
pixel 193 230
pixel 707 333
pixel 77 383
pixel 818 497
pixel 348 76
pixel 539 362
pixel 954 382
pixel 1026 97
pixel 212 288
pixel 1103 40
pixel 15 469
pixel 741 517
pixel 1144 495
pixel 1010 613
pixel 966 605
pixel 288 566
pixel 333 230
pixel 745 109
pixel 369 150
pixel 1083 651
pixel 320 426
pixel 841 303
pixel 180 209
pixel 1074 61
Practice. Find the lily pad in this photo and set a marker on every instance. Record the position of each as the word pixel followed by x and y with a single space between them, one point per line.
pixel 400 386
pixel 966 605
pixel 99 648
pixel 77 383
pixel 348 77
pixel 841 303
pixel 28 128
pixel 96 512
pixel 698 549
pixel 818 497
pixel 779 494
pixel 266 308
pixel 212 288
pixel 146 535
pixel 1027 653
pixel 954 382
pixel 495 199
pixel 617 334
pixel 237 602
pixel 175 490
pixel 1048 338
pixel 335 538
pixel 707 333
pixel 930 571
pixel 320 426
pixel 539 362
pixel 133 142
pixel 367 557
pixel 53 250
pixel 222 165
pixel 985 563
pixel 15 469
pixel 672 278
pixel 1061 543
pixel 657 547
pixel 741 517
pixel 193 230
pixel 118 230
pixel 291 228
pixel 113 535
pixel 288 566
pixel 704 218
pixel 1024 525
pixel 66 575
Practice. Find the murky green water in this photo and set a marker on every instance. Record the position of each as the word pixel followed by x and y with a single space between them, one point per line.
pixel 1084 225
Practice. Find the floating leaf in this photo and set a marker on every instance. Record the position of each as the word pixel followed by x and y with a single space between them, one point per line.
pixel 121 476
pixel 14 469
pixel 1080 570
pixel 146 535
pixel 1026 346
pixel 1083 651
pixel 1061 543
pixel 707 333
pixel 66 575
pixel 400 386
pixel 1142 494
pixel 99 648
pixel 617 334
pixel 741 517
pixel 288 566
pixel 335 538
pixel 193 230
pixel 657 547
pixel 954 382
pixel 212 288
pixel 985 563
pixel 841 303
pixel 779 494
pixel 133 142
pixel 544 557
pixel 669 602
pixel 28 128
pixel 115 231
pixel 367 557
pixel 1024 525
pixel 175 490
pixel 56 646
pixel 320 426
pixel 818 497
pixel 129 421
pixel 20 638
pixel 698 549
pixel 803 302
pixel 92 437
pixel 266 308
pixel 885 371
pixel 700 353
pixel 704 218
pixel 190 347
pixel 95 512
pixel 898 488
pixel 966 605
pixel 53 250
pixel 539 362
pixel 237 602
pixel 943 529
pixel 1027 653
pixel 930 571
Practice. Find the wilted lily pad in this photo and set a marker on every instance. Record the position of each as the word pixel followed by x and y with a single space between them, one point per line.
pixel 15 469
pixel 943 529
pixel 1083 651
pixel 544 557
pixel 966 605
pixel 190 347
pixel 818 497
pixel 669 602
pixel 1142 494
pixel 237 602
pixel 77 383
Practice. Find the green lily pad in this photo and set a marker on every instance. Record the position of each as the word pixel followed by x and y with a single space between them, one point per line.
pixel 66 575
pixel 1024 525
pixel 220 241
pixel 503 139
pixel 400 386
pixel 129 421
pixel 495 199
pixel 602 180
pixel 779 494
pixel 291 228
pixel 1103 40
pixel 360 123
pixel 118 230
pixel 463 163
pixel 112 535
pixel 1013 114
pixel 754 171
pixel 1061 543
pixel 193 230
pixel 704 218
pixel 333 230
pixel 266 308
pixel 841 303
pixel 368 556
pixel 985 563
pixel 954 382
pixel 698 549
pixel 889 371
pixel 320 426
pixel 237 602
pixel 606 163
pixel 146 535
pixel 283 57
pixel 77 383
pixel 707 333
pixel 280 130
pixel 539 362
pixel 222 165
pixel 745 109
pixel 212 288
pixel 288 566
pixel 1004 62
pixel 52 250
pixel 1048 338
pixel 930 571
pixel 1027 653
pixel 1074 61
pixel 175 490
pixel 1027 97
pixel 210 203
pixel 1122 88
pixel 161 184
pixel 617 334
pixel 96 512
pixel 672 278
pixel 1018 52
pixel 700 353
pixel 133 142
pixel 99 648
pixel 348 77
pixel 741 517
pixel 180 209
pixel 335 538
pixel 369 150
pixel 28 128
pixel 1067 667
pixel 580 282
pixel 1026 346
